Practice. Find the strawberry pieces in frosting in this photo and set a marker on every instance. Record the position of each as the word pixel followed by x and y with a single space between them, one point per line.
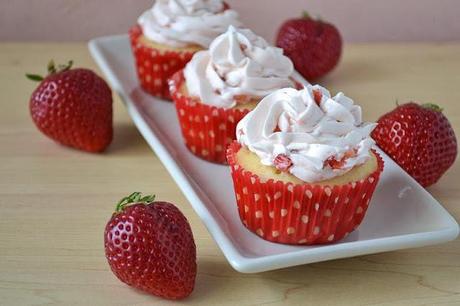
pixel 282 162
pixel 338 164
pixel 317 96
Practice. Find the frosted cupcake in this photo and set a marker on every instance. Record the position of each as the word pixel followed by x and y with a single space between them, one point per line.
pixel 167 35
pixel 221 85
pixel 303 166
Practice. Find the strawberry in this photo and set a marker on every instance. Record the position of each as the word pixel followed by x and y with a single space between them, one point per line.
pixel 339 164
pixel 420 139
pixel 282 162
pixel 73 107
pixel 314 46
pixel 149 245
pixel 317 96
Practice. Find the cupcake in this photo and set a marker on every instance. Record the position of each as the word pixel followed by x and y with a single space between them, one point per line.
pixel 303 166
pixel 167 35
pixel 221 85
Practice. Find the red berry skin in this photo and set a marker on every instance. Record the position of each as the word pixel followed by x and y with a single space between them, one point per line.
pixel 151 247
pixel 314 46
pixel 419 139
pixel 74 107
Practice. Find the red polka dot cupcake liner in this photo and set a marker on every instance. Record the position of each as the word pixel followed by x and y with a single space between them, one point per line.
pixel 300 213
pixel 153 66
pixel 207 130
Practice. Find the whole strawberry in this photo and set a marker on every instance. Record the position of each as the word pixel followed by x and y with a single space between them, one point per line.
pixel 149 245
pixel 314 46
pixel 420 139
pixel 73 107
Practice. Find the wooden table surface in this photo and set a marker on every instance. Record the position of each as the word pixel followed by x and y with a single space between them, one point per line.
pixel 55 201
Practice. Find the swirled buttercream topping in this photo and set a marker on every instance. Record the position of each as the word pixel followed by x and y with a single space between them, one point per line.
pixel 179 23
pixel 307 133
pixel 238 65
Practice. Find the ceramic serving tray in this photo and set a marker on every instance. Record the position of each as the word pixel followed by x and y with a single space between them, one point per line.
pixel 401 214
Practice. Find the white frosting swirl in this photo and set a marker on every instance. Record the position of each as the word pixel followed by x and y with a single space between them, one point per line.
pixel 238 63
pixel 289 122
pixel 179 23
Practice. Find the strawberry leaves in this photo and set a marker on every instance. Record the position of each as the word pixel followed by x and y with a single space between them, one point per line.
pixel 52 69
pixel 135 197
pixel 34 77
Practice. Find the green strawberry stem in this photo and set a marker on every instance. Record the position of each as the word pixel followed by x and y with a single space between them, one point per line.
pixel 306 15
pixel 135 197
pixel 52 69
pixel 433 107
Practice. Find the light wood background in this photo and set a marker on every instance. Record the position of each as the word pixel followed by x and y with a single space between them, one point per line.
pixel 55 201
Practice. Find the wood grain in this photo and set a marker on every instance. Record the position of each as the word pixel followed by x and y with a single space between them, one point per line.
pixel 55 201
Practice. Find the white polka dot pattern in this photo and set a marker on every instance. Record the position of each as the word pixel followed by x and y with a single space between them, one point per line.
pixel 206 128
pixel 299 214
pixel 154 67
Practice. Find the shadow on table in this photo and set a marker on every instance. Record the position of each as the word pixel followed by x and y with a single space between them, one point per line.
pixel 126 139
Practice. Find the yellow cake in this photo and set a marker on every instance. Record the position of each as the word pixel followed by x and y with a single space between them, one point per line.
pixel 249 105
pixel 251 162
pixel 161 47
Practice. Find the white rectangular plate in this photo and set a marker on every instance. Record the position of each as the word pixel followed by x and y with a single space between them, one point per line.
pixel 402 214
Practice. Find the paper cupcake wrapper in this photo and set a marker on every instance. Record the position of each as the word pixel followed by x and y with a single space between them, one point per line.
pixel 299 213
pixel 207 130
pixel 153 66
